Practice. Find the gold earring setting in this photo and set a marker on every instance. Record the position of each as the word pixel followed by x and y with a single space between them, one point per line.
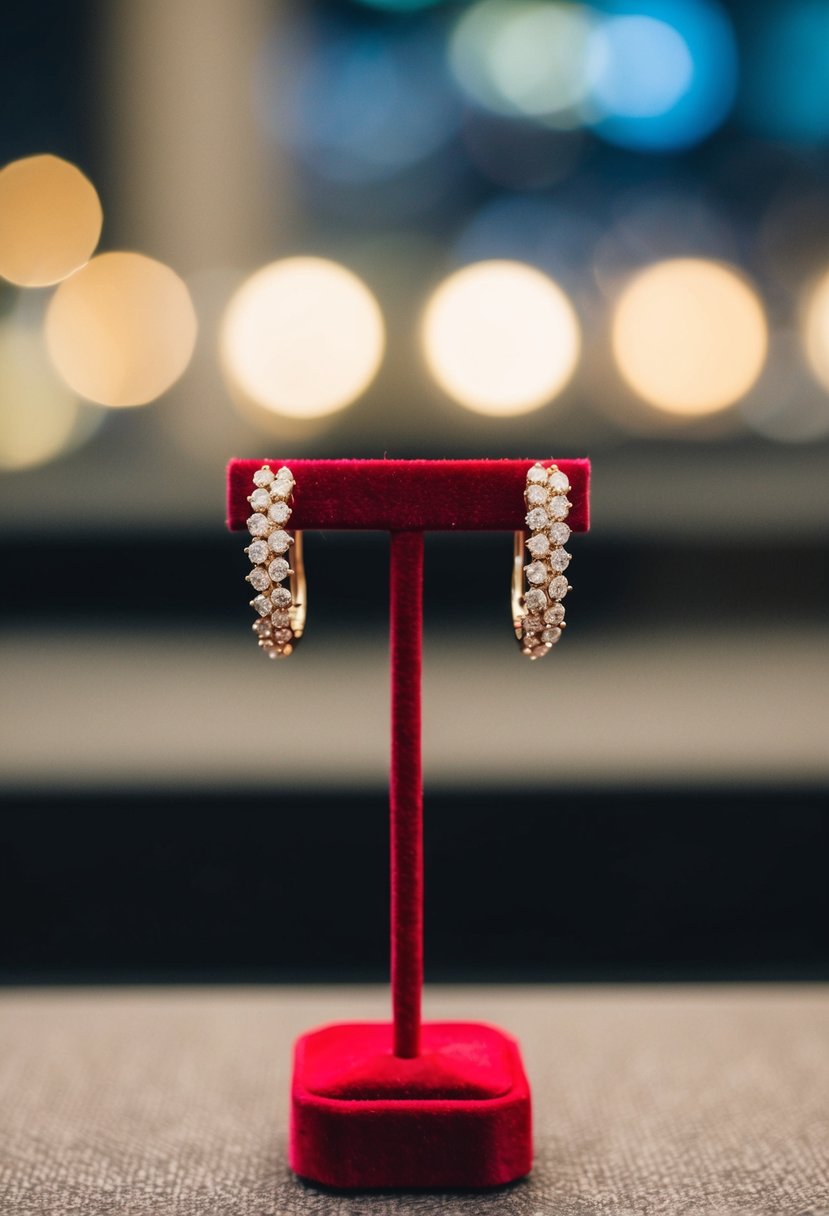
pixel 281 610
pixel 537 609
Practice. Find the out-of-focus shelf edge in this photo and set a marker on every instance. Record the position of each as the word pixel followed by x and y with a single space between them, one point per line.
pixel 97 708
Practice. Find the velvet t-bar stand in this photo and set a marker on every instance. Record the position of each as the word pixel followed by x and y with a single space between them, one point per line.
pixel 407 1104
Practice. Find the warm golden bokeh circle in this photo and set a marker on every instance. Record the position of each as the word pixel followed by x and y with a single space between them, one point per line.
pixel 816 330
pixel 38 413
pixel 50 220
pixel 122 330
pixel 500 337
pixel 302 338
pixel 690 336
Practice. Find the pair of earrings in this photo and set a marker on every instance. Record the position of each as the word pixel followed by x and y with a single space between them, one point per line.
pixel 538 587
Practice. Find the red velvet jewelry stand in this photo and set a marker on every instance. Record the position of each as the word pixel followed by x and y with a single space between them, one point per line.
pixel 445 1104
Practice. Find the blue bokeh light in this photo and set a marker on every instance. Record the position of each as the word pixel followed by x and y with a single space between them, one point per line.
pixel 786 92
pixel 399 6
pixel 525 228
pixel 663 72
pixel 622 41
pixel 360 106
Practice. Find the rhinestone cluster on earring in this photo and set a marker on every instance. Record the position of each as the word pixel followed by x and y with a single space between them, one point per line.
pixel 538 611
pixel 280 610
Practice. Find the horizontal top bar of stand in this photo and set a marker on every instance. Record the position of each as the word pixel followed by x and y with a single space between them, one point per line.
pixel 401 495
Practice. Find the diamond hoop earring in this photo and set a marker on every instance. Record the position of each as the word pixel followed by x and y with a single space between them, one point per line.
pixel 281 610
pixel 538 611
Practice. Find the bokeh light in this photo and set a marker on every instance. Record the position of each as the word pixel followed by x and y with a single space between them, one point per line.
pixel 655 223
pixel 789 405
pixel 122 330
pixel 793 234
pixel 663 73
pixel 40 418
pixel 524 57
pixel 786 86
pixel 535 229
pixel 302 337
pixel 50 220
pixel 689 336
pixel 816 330
pixel 359 105
pixel 399 6
pixel 500 337
pixel 623 41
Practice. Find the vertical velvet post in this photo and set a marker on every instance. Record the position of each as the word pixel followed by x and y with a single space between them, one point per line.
pixel 406 801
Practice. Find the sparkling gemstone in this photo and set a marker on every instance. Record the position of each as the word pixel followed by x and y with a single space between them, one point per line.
pixel 554 615
pixel 559 534
pixel 262 628
pixel 281 597
pixel 263 476
pixel 260 500
pixel 282 489
pixel 558 587
pixel 284 473
pixel 560 559
pixel 278 570
pixel 559 482
pixel 280 541
pixel 258 551
pixel 536 573
pixel 537 474
pixel 281 619
pixel 258 579
pixel 282 635
pixel 532 623
pixel 536 496
pixel 535 599
pixel 538 652
pixel 558 507
pixel 539 545
pixel 279 512
pixel 551 636
pixel 258 525
pixel 262 605
pixel 537 518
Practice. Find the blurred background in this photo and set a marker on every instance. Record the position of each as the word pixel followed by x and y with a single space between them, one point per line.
pixel 497 228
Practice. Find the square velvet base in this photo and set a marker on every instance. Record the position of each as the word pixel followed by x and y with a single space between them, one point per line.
pixel 458 1115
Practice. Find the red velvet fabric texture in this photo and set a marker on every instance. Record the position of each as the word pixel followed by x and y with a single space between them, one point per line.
pixel 406 800
pixel 457 1116
pixel 357 1062
pixel 427 495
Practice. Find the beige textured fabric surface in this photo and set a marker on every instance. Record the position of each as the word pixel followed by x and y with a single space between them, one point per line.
pixel 686 1102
